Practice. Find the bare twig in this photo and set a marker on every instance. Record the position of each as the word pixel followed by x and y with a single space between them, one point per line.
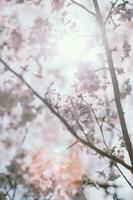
pixel 83 7
pixel 102 68
pixel 110 11
pixel 65 123
pixel 104 186
pixel 70 146
pixel 7 193
pixel 60 153
pixel 124 176
pixel 100 127
pixel 82 130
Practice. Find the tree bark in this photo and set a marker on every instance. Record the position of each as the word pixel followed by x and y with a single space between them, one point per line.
pixel 116 90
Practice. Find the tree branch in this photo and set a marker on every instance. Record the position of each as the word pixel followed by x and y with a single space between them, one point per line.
pixel 100 127
pixel 81 128
pixel 110 11
pixel 7 193
pixel 127 140
pixel 65 123
pixel 104 185
pixel 124 176
pixel 97 121
pixel 70 146
pixel 83 7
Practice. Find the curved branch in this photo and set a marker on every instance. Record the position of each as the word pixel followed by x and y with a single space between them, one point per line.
pixel 83 7
pixel 110 11
pixel 65 123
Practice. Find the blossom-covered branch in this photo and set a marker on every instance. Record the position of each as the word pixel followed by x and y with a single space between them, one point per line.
pixel 65 123
pixel 116 90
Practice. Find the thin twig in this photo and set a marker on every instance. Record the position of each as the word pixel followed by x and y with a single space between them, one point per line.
pixel 124 176
pixel 102 68
pixel 70 146
pixel 82 130
pixel 96 118
pixel 110 11
pixel 54 157
pixel 100 127
pixel 83 7
pixel 7 193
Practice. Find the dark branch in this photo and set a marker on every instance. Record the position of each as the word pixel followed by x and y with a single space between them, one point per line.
pixel 83 7
pixel 124 176
pixel 70 146
pixel 110 11
pixel 65 123
pixel 7 193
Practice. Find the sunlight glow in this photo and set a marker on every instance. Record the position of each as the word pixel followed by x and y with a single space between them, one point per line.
pixel 71 46
pixel 59 150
